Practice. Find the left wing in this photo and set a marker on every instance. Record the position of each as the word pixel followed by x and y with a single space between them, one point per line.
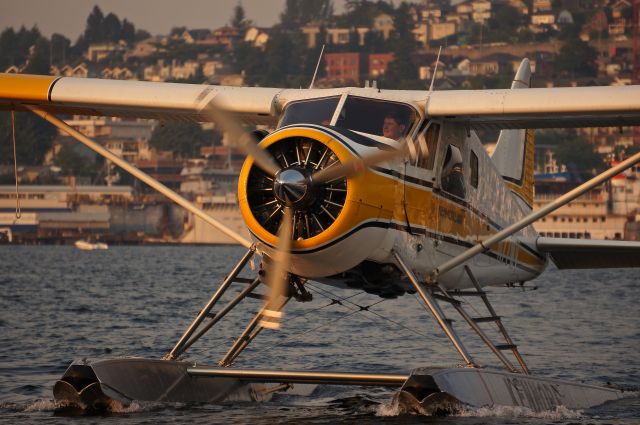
pixel 590 254
pixel 605 106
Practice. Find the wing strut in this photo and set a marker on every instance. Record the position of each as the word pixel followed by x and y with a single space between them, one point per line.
pixel 530 218
pixel 140 175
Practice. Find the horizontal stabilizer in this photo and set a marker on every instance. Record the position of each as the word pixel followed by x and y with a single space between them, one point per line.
pixel 590 254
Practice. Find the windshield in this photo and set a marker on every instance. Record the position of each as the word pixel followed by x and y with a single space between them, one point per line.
pixel 313 111
pixel 382 118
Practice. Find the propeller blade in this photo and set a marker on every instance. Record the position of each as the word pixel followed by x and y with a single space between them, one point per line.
pixel 242 139
pixel 357 166
pixel 277 276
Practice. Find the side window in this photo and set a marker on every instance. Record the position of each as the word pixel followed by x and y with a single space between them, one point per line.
pixel 473 168
pixel 427 145
pixel 452 179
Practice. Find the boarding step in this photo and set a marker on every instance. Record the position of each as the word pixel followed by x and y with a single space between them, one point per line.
pixel 446 299
pixel 486 319
pixel 506 347
pixel 456 293
pixel 243 280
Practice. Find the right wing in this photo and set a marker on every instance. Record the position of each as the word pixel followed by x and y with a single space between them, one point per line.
pixel 142 99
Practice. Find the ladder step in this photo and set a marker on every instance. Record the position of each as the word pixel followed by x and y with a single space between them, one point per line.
pixel 445 298
pixel 243 280
pixel 468 293
pixel 486 319
pixel 256 296
pixel 506 346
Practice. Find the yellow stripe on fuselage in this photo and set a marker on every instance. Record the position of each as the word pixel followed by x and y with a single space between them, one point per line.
pixel 444 216
pixel 25 88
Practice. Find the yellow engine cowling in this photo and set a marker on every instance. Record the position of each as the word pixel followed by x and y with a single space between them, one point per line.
pixel 338 225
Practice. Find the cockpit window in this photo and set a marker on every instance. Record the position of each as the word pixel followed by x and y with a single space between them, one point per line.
pixel 312 111
pixel 382 118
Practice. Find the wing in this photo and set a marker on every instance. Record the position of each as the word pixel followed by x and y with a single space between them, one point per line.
pixel 165 101
pixel 590 254
pixel 532 108
pixel 607 106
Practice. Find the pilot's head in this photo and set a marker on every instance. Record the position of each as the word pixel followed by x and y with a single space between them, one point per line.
pixel 394 125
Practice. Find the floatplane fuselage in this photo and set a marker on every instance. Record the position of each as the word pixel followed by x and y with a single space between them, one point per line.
pixel 346 233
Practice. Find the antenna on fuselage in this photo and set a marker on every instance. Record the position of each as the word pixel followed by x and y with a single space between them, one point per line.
pixel 435 70
pixel 317 66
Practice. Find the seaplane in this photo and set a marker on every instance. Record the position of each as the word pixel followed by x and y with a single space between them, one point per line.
pixel 387 191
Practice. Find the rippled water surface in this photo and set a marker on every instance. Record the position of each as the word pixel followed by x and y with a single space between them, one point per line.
pixel 59 304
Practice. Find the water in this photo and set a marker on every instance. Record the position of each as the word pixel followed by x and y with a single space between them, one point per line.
pixel 58 304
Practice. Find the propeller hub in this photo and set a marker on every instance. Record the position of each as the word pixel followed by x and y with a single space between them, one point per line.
pixel 291 186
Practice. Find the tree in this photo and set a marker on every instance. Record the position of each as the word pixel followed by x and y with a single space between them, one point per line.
pixel 239 19
pixel 552 137
pixel 8 51
pixel 15 46
pixel 111 28
pixel 34 137
pixel 479 82
pixel 104 29
pixel 75 160
pixel 141 35
pixel 374 42
pixel 59 48
pixel 285 62
pixel 177 31
pixel 504 24
pixel 39 60
pixel 128 32
pixel 183 139
pixel 300 12
pixel 280 60
pixel 93 32
pixel 577 153
pixel 577 59
pixel 361 13
pixel 402 73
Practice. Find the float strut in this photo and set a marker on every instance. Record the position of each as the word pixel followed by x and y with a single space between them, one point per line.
pixel 225 310
pixel 437 313
pixel 212 301
pixel 244 339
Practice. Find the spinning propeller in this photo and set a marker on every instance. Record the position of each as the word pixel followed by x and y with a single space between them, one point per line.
pixel 296 191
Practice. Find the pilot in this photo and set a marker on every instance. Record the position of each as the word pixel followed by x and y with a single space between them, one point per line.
pixel 452 173
pixel 394 125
